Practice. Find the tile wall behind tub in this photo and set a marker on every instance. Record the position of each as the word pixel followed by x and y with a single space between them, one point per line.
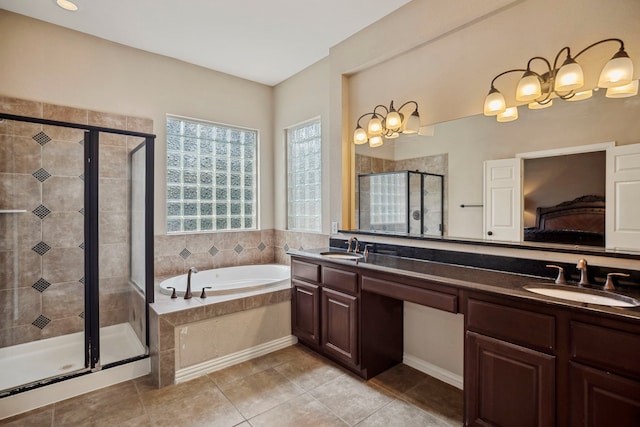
pixel 175 253
pixel 42 250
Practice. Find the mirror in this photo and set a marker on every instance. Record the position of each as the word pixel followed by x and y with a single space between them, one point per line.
pixel 457 149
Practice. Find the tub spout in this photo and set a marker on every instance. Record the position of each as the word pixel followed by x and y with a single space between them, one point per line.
pixel 187 294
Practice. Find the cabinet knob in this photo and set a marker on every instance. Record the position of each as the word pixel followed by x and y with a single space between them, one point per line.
pixel 490 233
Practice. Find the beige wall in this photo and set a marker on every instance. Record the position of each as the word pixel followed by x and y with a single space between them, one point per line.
pixel 303 97
pixel 450 77
pixel 44 62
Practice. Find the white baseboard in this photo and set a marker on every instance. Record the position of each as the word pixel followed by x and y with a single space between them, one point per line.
pixel 191 372
pixel 433 370
pixel 46 395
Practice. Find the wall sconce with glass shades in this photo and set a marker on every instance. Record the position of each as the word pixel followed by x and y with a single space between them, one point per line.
pixel 388 123
pixel 538 90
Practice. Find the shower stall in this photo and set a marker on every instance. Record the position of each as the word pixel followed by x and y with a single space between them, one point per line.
pixel 76 249
pixel 410 202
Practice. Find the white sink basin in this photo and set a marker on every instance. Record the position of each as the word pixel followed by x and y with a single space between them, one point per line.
pixel 589 296
pixel 342 255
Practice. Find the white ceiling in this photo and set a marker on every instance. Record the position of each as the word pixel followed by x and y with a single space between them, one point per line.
pixel 266 41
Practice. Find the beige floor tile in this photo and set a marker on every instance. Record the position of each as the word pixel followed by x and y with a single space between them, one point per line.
pixel 351 399
pixel 301 411
pixel 309 371
pixel 155 399
pixel 259 364
pixel 437 398
pixel 400 413
pixel 109 406
pixel 260 392
pixel 36 418
pixel 399 379
pixel 194 403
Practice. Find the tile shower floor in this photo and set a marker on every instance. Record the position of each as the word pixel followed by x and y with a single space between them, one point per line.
pixel 290 387
pixel 37 360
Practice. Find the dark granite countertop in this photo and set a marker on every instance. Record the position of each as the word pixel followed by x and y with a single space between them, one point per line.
pixel 470 278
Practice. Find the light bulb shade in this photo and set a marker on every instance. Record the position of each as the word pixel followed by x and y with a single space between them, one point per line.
pixel 494 103
pixel 529 87
pixel 392 135
pixel 570 77
pixel 374 127
pixel 393 120
pixel 630 89
pixel 509 115
pixel 412 124
pixel 67 5
pixel 539 106
pixel 579 96
pixel 617 72
pixel 375 141
pixel 360 136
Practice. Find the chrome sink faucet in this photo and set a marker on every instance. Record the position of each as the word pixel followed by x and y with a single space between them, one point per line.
pixel 582 266
pixel 357 247
pixel 187 294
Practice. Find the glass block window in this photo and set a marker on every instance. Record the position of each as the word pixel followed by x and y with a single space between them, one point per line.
pixel 304 177
pixel 388 199
pixel 211 176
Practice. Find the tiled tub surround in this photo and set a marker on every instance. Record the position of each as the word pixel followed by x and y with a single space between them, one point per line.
pixel 184 333
pixel 175 253
pixel 42 249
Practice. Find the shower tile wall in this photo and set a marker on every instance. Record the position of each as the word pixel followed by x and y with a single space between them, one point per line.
pixel 437 164
pixel 42 249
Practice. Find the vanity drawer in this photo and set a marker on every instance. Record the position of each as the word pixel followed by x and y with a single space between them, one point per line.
pixel 305 271
pixel 341 280
pixel 430 298
pixel 605 348
pixel 523 327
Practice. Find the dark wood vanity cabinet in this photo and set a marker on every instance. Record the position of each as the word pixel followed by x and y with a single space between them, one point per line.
pixel 528 364
pixel 509 366
pixel 327 315
pixel 340 326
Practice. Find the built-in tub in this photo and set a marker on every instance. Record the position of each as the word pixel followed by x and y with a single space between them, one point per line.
pixel 229 280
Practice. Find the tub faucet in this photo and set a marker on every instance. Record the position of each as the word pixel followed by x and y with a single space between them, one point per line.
pixel 357 247
pixel 187 294
pixel 582 266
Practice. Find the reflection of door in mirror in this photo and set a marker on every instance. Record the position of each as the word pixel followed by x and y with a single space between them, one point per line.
pixel 585 195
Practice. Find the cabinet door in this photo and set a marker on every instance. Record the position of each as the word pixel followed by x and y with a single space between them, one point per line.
pixel 601 399
pixel 503 200
pixel 340 325
pixel 305 312
pixel 507 385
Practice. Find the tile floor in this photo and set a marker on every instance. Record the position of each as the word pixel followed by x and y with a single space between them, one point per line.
pixel 290 387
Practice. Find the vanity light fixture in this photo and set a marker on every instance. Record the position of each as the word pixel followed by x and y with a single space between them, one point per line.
pixel 388 123
pixel 564 82
pixel 67 5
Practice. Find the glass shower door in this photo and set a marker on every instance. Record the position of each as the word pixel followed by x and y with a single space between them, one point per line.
pixel 121 295
pixel 42 271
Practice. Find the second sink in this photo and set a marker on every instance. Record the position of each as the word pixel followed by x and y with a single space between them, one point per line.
pixel 585 295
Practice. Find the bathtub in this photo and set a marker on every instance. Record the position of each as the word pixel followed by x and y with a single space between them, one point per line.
pixel 229 280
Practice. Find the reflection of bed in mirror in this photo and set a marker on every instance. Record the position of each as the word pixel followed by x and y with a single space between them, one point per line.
pixel 580 221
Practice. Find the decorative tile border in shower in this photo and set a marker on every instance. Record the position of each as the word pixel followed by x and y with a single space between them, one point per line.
pixel 47 172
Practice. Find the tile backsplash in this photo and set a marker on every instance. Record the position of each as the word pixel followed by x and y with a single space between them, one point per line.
pixel 175 253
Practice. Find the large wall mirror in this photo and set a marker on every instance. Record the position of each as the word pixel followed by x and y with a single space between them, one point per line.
pixel 459 148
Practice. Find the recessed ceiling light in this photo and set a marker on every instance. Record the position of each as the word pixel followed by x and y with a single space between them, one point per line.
pixel 67 5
